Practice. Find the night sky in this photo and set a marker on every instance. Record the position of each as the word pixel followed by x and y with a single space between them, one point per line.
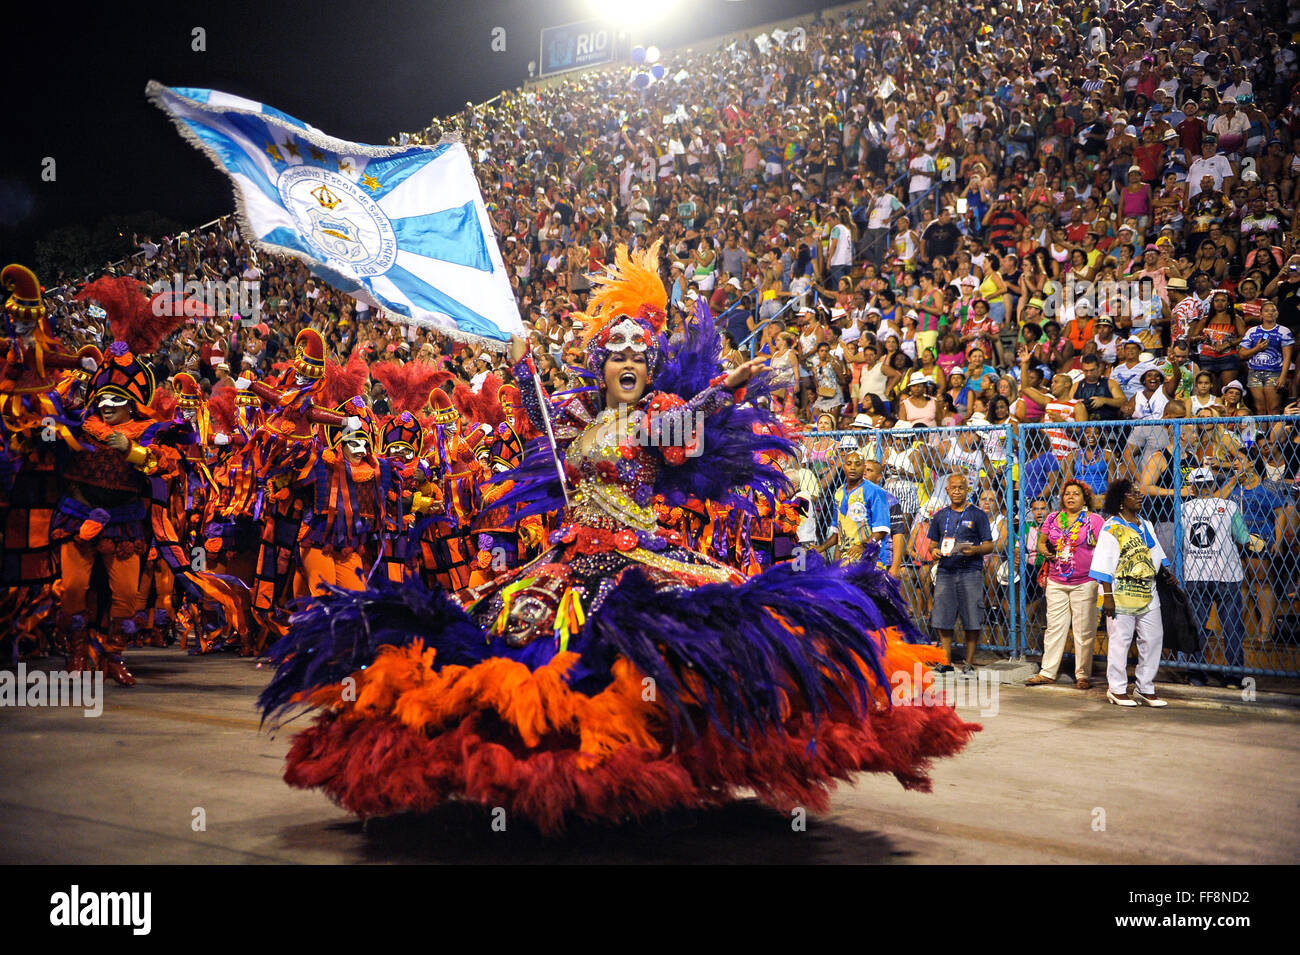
pixel 362 72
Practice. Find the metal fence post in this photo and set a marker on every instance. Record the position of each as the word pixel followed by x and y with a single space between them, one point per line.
pixel 1177 465
pixel 1016 472
pixel 926 457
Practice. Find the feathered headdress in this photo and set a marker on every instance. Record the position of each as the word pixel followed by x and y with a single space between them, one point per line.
pixel 511 403
pixel 465 401
pixel 743 441
pixel 165 404
pixel 627 309
pixel 407 385
pixel 489 407
pixel 345 381
pixel 439 382
pixel 132 319
pixel 402 432
pixel 126 376
pixel 24 304
pixel 221 406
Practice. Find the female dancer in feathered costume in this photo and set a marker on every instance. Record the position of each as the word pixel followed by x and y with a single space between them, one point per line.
pixel 619 674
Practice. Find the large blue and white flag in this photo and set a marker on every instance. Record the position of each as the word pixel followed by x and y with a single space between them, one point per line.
pixel 400 227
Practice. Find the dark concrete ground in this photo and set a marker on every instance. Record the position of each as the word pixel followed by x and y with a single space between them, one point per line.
pixel 1057 775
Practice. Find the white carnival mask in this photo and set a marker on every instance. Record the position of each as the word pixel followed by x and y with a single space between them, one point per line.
pixel 356 444
pixel 109 401
pixel 627 334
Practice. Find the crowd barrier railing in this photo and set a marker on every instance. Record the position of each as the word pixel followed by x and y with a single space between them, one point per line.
pixel 1226 518
pixel 916 463
pixel 1215 492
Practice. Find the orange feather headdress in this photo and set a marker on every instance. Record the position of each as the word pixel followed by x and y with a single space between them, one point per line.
pixel 627 309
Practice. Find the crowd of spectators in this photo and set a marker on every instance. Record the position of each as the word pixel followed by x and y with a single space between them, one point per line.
pixel 945 214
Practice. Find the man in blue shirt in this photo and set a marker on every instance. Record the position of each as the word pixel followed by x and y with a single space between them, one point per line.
pixel 891 548
pixel 961 536
pixel 1267 514
pixel 861 512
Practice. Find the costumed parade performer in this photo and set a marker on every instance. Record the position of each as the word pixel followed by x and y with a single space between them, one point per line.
pixel 619 674
pixel 41 387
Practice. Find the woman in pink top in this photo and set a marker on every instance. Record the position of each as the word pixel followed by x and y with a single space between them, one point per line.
pixel 1067 540
pixel 916 407
pixel 1135 199
pixel 950 352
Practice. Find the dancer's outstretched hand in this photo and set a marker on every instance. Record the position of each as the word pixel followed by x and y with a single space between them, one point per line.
pixel 743 373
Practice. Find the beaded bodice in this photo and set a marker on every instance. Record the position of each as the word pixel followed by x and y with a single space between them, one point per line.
pixel 613 473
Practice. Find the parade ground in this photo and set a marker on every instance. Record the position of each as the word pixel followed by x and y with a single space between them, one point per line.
pixel 176 770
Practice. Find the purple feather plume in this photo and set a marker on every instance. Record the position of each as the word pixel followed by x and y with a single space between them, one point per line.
pixel 730 638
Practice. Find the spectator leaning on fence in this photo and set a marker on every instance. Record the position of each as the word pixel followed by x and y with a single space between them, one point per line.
pixel 960 536
pixel 1273 519
pixel 1213 529
pixel 895 543
pixel 1125 563
pixel 861 512
pixel 1067 540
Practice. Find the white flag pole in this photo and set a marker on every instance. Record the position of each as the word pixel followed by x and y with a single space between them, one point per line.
pixel 550 435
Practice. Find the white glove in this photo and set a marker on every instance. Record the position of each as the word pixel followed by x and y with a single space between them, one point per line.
pixel 242 383
pixel 353 423
pixel 220 439
pixel 89 364
pixel 485 428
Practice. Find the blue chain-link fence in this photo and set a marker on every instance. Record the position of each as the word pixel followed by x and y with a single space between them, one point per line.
pixel 913 467
pixel 1217 492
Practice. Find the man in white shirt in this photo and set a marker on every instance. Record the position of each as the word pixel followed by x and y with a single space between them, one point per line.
pixel 1097 39
pixel 841 254
pixel 639 209
pixel 883 209
pixel 1210 163
pixel 1212 530
pixel 922 168
pixel 1128 373
pixel 148 247
pixel 1240 86
pixel 1231 126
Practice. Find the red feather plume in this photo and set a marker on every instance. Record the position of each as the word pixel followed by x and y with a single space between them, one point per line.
pixel 221 406
pixel 408 385
pixel 164 404
pixel 345 381
pixel 489 407
pixel 130 314
pixel 466 402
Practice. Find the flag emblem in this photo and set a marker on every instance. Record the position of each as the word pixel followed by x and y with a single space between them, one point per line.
pixel 398 227
pixel 338 221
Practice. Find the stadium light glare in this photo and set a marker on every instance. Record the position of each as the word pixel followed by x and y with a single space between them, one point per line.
pixel 633 16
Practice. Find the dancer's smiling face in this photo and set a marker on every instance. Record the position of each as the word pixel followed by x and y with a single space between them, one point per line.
pixel 626 374
pixel 114 409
